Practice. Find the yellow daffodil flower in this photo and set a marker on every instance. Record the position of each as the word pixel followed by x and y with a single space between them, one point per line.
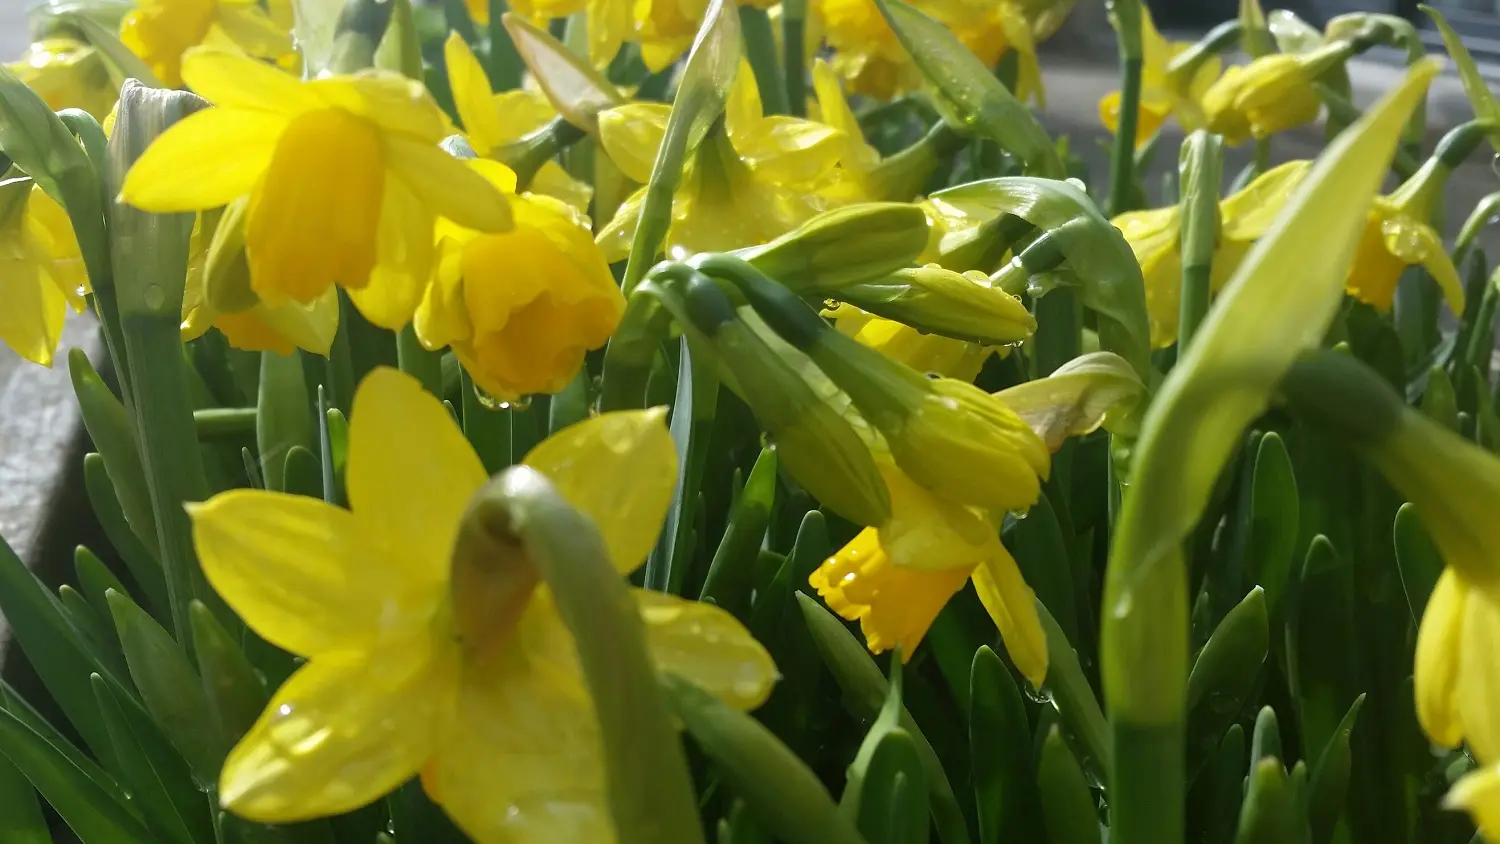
pixel 493 120
pixel 41 270
pixel 922 352
pixel 402 677
pixel 608 22
pixel 1398 235
pixel 344 176
pixel 666 28
pixel 160 31
pixel 867 53
pixel 990 28
pixel 1163 95
pixel 67 74
pixel 850 181
pixel 744 186
pixel 520 308
pixel 1156 238
pixel 1271 94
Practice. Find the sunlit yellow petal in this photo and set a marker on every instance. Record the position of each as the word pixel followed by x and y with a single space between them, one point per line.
pixel 472 95
pixel 442 318
pixel 411 472
pixel 253 31
pixel 1012 606
pixel 394 103
pixel 631 135
pixel 1435 677
pixel 1249 213
pixel 619 469
pixel 31 306
pixel 1417 243
pixel 346 729
pixel 403 261
pixel 928 533
pixel 743 110
pixel 232 79
pixel 205 160
pixel 789 151
pixel 554 181
pixel 708 647
pixel 302 574
pixel 448 186
pixel 521 111
pixel 1478 793
pixel 311 327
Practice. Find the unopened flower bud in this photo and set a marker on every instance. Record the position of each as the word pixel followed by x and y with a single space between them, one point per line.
pixel 963 306
pixel 843 246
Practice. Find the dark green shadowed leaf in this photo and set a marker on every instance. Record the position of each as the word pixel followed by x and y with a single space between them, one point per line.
pixel 864 693
pixel 786 797
pixel 1214 806
pixel 158 782
pixel 1265 742
pixel 142 564
pixel 233 691
pixel 1418 559
pixel 1005 789
pixel 487 429
pixel 1067 806
pixel 108 425
pixel 1440 401
pixel 21 819
pixel 1271 814
pixel 1225 674
pixel 283 418
pixel 1040 548
pixel 302 473
pixel 1321 634
pixel 93 633
pixel 729 575
pixel 13 703
pixel 1330 779
pixel 1274 515
pixel 851 802
pixel 893 808
pixel 170 689
pixel 94 579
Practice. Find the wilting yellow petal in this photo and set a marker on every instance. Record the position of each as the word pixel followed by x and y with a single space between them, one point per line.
pixel 619 469
pixel 205 160
pixel 226 78
pixel 708 647
pixel 1012 606
pixel 631 135
pixel 1478 793
pixel 346 729
pixel 520 759
pixel 303 574
pixel 1076 398
pixel 1439 642
pixel 472 95
pixel 411 473
pixel 448 186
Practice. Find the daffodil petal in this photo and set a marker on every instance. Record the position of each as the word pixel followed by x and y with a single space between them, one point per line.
pixel 347 728
pixel 253 31
pixel 31 307
pixel 553 180
pixel 1249 213
pixel 301 572
pixel 448 186
pixel 708 647
pixel 311 327
pixel 743 109
pixel 472 95
pixel 1435 677
pixel 928 533
pixel 205 160
pixel 1478 793
pixel 443 318
pixel 631 135
pixel 403 261
pixel 411 474
pixel 398 105
pixel 789 151
pixel 235 80
pixel 1012 606
pixel 1416 242
pixel 521 758
pixel 619 469
pixel 1479 676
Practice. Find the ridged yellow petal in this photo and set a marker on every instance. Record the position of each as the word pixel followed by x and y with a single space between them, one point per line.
pixel 410 474
pixel 789 151
pixel 521 759
pixel 205 160
pixel 231 79
pixel 404 256
pixel 472 95
pixel 1478 793
pixel 631 135
pixel 1435 677
pixel 396 104
pixel 708 647
pixel 447 186
pixel 302 573
pixel 619 469
pixel 1479 676
pixel 1012 606
pixel 346 729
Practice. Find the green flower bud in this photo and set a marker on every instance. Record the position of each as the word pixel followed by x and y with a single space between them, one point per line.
pixel 843 246
pixel 963 306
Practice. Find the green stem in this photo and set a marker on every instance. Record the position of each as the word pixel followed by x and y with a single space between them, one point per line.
pixel 794 55
pixel 505 68
pixel 656 209
pixel 418 362
pixel 487 429
pixel 225 423
pixel 628 357
pixel 1122 154
pixel 760 49
pixel 1200 169
pixel 1262 155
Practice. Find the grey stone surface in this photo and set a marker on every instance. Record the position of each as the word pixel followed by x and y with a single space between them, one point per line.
pixel 13 35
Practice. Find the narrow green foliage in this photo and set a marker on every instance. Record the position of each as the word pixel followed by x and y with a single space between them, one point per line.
pixel 158 782
pixel 1418 558
pixel 1067 806
pixel 1330 779
pixel 235 695
pixel 1005 786
pixel 143 565
pixel 729 575
pixel 1226 672
pixel 282 421
pixel 109 427
pixel 1271 814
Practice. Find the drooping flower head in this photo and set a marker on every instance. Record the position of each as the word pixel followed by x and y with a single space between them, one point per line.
pixel 160 31
pixel 476 688
pixel 1163 94
pixel 344 176
pixel 67 74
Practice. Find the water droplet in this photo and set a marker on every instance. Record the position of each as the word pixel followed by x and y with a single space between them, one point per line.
pixel 155 297
pixel 1042 695
pixel 489 402
pixel 1123 607
pixel 831 304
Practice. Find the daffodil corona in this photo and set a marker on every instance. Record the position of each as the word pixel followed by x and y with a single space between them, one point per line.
pixel 344 176
pixel 403 676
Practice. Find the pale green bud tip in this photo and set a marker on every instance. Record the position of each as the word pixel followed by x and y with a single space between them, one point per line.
pixel 844 246
pixel 934 300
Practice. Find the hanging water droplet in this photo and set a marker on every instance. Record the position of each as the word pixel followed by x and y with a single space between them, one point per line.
pixel 489 402
pixel 1042 695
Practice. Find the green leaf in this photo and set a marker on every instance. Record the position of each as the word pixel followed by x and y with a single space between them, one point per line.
pixel 91 811
pixel 170 689
pixel 1073 697
pixel 94 579
pixel 893 807
pixel 1418 559
pixel 1266 741
pixel 888 719
pixel 234 693
pixel 571 405
pixel 12 702
pixel 1330 779
pixel 400 51
pixel 144 566
pixel 1274 516
pixel 21 820
pixel 1440 401
pixel 1067 806
pixel 282 420
pixel 1271 814
pixel 108 425
pixel 487 429
pixel 1320 636
pixel 864 693
pixel 302 473
pixel 786 797
pixel 92 633
pixel 1220 789
pixel 159 783
pixel 1041 550
pixel 123 64
pixel 1478 90
pixel 572 85
pixel 728 582
pixel 1226 672
pixel 1005 787
pixel 968 93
